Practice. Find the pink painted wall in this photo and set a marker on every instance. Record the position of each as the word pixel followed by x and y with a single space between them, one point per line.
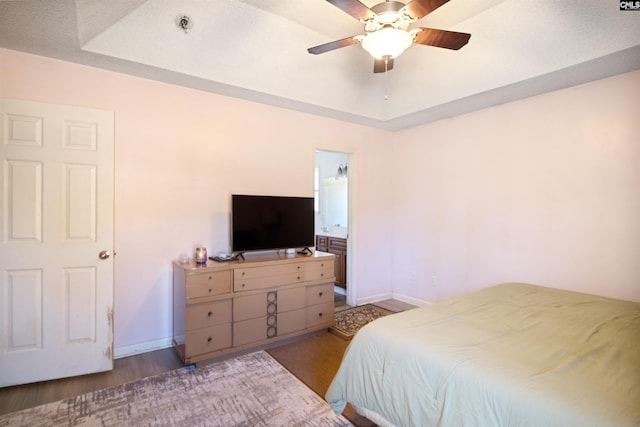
pixel 545 190
pixel 180 154
pixel 542 190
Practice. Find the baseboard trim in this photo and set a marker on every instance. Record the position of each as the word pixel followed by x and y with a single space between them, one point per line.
pixel 374 298
pixel 132 350
pixel 392 295
pixel 409 300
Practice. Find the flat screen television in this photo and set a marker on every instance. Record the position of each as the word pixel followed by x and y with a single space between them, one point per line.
pixel 271 222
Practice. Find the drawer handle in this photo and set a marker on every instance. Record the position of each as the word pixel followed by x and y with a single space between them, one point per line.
pixel 209 277
pixel 209 339
pixel 210 289
pixel 242 285
pixel 321 274
pixel 243 273
pixel 322 265
pixel 298 277
pixel 319 293
pixel 319 314
pixel 210 313
pixel 298 267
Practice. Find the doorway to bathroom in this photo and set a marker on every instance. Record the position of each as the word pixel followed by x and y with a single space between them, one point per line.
pixel 331 179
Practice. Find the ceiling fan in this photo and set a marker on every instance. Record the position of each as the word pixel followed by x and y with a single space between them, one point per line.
pixel 387 32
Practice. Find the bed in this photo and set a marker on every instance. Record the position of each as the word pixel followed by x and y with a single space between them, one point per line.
pixel 512 354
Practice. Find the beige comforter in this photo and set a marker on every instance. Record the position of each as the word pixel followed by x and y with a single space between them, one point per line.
pixel 512 354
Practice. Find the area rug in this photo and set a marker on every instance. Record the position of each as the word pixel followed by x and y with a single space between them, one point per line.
pixel 250 390
pixel 348 322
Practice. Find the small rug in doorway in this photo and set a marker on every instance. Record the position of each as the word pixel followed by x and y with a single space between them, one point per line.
pixel 348 322
pixel 250 390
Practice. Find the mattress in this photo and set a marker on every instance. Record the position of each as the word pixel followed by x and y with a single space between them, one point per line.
pixel 511 354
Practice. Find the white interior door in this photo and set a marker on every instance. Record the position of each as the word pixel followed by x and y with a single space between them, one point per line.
pixel 56 288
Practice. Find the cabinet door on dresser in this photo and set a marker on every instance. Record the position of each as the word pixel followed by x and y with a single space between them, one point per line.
pixel 250 318
pixel 291 310
pixel 267 315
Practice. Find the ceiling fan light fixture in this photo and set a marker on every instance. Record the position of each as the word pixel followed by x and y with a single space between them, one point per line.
pixel 388 42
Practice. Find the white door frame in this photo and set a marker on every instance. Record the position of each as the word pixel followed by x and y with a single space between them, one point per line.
pixel 351 292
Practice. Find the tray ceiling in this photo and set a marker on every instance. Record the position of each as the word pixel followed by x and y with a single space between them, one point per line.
pixel 256 50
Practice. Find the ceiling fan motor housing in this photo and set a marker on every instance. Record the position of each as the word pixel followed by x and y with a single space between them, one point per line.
pixel 388 14
pixel 387 6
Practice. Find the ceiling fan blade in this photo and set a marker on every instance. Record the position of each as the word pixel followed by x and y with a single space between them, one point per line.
pixel 420 8
pixel 380 67
pixel 441 38
pixel 354 8
pixel 332 45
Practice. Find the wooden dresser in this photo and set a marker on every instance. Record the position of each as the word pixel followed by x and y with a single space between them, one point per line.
pixel 227 307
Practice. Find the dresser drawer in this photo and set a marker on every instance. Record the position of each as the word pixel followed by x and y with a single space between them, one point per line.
pixel 209 339
pixel 251 330
pixel 291 321
pixel 318 270
pixel 208 314
pixel 319 314
pixel 249 279
pixel 252 306
pixel 320 294
pixel 208 284
pixel 292 299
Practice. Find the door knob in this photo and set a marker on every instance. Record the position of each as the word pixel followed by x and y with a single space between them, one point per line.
pixel 104 254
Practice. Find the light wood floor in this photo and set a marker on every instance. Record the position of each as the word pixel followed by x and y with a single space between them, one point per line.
pixel 125 370
pixel 314 360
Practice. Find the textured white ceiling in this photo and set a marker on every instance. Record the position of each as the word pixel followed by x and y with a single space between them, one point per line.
pixel 256 50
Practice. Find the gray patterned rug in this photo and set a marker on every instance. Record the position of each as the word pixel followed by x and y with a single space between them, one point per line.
pixel 348 322
pixel 250 390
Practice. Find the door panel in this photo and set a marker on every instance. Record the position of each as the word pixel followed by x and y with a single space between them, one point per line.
pixel 80 304
pixel 23 310
pixel 23 201
pixel 79 194
pixel 56 191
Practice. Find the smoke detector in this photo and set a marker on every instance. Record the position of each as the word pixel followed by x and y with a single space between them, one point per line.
pixel 184 22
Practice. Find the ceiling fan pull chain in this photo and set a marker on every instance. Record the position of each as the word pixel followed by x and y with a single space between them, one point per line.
pixel 386 84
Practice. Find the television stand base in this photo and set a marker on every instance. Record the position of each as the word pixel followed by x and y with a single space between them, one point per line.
pixel 239 255
pixel 234 257
pixel 305 251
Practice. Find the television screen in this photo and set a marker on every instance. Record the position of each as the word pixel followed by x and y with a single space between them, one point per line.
pixel 271 222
